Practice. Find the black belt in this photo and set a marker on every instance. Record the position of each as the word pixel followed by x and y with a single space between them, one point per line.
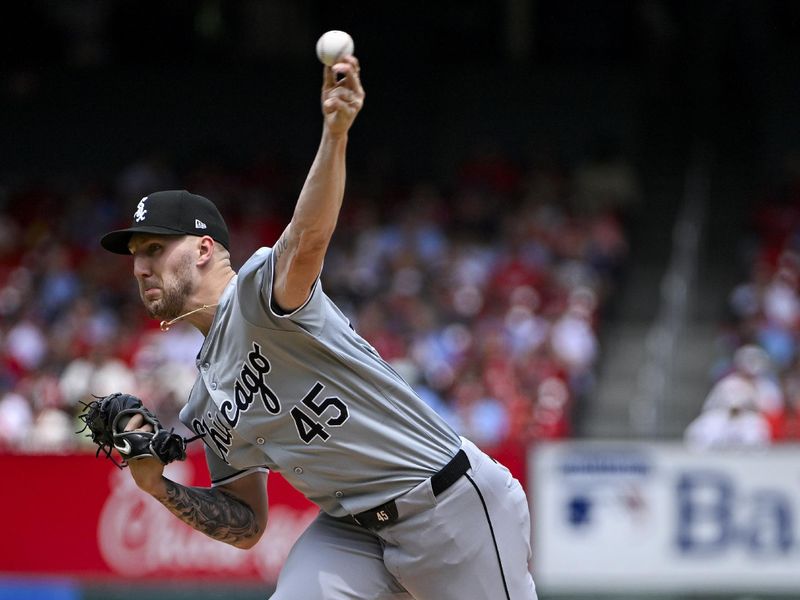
pixel 386 514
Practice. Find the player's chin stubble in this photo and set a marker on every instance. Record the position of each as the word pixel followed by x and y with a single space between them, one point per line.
pixel 174 294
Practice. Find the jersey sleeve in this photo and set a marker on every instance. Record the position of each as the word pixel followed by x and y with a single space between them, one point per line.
pixel 222 473
pixel 256 280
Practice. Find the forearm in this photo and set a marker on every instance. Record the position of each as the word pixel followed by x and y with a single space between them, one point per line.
pixel 320 200
pixel 300 251
pixel 212 511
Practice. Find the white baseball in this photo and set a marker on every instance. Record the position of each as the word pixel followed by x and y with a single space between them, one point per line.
pixel 332 45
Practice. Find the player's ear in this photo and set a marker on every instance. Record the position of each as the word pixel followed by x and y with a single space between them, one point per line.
pixel 205 250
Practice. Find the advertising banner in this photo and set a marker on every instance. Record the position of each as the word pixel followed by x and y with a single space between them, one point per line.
pixel 655 517
pixel 78 516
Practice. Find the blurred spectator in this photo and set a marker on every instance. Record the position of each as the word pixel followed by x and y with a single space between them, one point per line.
pixel 16 419
pixel 574 340
pixel 98 374
pixel 483 418
pixel 486 299
pixel 26 344
pixel 751 364
pixel 52 431
pixel 764 329
pixel 786 425
pixel 730 419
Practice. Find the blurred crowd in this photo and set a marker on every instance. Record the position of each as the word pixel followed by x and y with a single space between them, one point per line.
pixel 755 398
pixel 484 292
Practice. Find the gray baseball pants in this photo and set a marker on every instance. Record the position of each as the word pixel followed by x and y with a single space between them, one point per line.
pixel 472 541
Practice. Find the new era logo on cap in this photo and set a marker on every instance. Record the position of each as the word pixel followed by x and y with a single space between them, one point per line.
pixel 172 212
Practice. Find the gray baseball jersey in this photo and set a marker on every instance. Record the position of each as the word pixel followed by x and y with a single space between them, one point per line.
pixel 304 395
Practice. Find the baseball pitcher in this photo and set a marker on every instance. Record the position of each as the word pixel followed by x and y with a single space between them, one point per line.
pixel 408 508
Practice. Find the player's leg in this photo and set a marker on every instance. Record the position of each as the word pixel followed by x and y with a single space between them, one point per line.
pixel 333 560
pixel 474 543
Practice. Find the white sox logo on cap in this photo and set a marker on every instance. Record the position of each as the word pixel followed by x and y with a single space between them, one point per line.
pixel 170 212
pixel 141 211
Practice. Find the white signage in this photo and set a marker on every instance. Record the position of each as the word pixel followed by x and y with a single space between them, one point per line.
pixel 627 516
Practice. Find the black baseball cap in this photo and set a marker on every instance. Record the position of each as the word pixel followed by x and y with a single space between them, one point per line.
pixel 172 212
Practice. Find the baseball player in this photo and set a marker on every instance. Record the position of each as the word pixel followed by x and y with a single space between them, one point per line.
pixel 408 508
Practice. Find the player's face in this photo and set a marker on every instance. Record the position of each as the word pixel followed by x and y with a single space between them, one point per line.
pixel 164 269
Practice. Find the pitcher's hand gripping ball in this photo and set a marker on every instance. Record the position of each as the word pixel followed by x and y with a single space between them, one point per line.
pixel 332 46
pixel 106 418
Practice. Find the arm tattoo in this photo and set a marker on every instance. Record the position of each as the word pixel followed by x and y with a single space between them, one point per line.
pixel 212 511
pixel 279 247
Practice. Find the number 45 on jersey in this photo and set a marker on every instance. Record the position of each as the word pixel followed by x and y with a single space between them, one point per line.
pixel 309 423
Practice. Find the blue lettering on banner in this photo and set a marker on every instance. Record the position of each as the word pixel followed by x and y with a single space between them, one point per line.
pixel 606 464
pixel 772 524
pixel 714 517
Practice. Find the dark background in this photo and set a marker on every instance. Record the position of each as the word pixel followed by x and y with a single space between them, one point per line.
pixel 90 86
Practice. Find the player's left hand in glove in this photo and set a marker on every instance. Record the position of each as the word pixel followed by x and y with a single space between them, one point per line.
pixel 106 418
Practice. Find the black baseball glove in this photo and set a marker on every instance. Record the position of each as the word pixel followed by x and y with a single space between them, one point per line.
pixel 105 418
